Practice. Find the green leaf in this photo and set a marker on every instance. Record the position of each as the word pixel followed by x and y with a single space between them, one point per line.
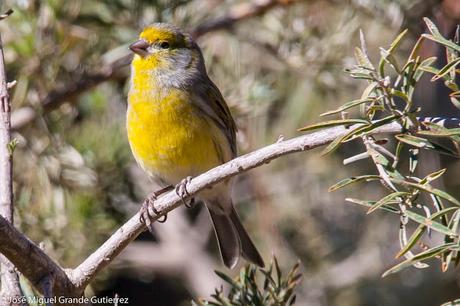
pixel 348 105
pixel 387 199
pixel 372 203
pixel 352 180
pixel 441 132
pixel 442 194
pixel 443 41
pixel 338 141
pixel 418 233
pixel 430 253
pixel 446 69
pixel 332 123
pixel 433 176
pixel 227 279
pixel 425 143
pixel 436 128
pixel 362 59
pixel 414 53
pixel 430 222
pixel 395 44
pixel 437 36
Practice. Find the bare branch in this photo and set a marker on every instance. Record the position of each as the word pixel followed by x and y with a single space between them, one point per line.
pixel 36 265
pixel 32 261
pixel 84 273
pixel 9 278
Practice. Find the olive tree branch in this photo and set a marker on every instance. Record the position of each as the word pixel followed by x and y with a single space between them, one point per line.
pixel 87 270
pixel 36 265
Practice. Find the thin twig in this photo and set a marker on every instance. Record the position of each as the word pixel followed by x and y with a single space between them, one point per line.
pixel 239 12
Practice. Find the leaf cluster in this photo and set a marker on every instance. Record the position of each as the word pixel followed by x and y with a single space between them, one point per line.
pixel 388 98
pixel 275 290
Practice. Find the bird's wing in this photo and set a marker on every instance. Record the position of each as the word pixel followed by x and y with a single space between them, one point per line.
pixel 209 101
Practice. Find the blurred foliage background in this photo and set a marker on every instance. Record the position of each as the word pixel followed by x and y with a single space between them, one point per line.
pixel 76 182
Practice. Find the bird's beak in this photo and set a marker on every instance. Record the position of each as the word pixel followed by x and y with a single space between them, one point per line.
pixel 140 47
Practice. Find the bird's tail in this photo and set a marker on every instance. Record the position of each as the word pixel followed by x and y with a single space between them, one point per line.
pixel 233 239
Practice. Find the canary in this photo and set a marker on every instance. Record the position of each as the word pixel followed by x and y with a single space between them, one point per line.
pixel 179 126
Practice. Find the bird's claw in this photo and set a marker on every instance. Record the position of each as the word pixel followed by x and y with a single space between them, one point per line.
pixel 148 211
pixel 181 191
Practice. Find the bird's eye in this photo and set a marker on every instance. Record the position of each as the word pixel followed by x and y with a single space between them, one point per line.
pixel 164 45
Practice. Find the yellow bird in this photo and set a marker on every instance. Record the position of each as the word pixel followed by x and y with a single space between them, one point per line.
pixel 179 126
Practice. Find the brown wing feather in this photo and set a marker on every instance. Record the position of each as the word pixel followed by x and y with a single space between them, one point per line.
pixel 209 101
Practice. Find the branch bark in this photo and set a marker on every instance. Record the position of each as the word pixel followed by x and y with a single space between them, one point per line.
pixel 35 264
pixel 10 288
pixel 87 270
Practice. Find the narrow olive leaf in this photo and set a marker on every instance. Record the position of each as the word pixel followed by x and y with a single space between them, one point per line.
pixel 416 49
pixel 388 57
pixel 369 90
pixel 437 36
pixel 433 127
pixel 430 222
pixel 331 123
pixel 419 72
pixel 352 180
pixel 430 253
pixel 440 193
pixel 453 224
pixel 372 203
pixel 412 140
pixel 446 69
pixel 432 27
pixel 347 105
pixel 435 251
pixel 440 132
pixel 338 141
pixel 400 94
pixel 333 145
pixel 429 69
pixel 362 59
pixel 387 199
pixel 443 41
pixel 425 143
pixel 433 176
pixel 361 76
pixel 367 129
pixel 395 44
pixel 418 233
pixel 227 278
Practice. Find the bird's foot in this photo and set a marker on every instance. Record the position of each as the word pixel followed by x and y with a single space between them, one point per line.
pixel 148 210
pixel 181 191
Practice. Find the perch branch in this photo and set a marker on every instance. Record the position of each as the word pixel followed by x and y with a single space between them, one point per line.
pixel 35 264
pixel 87 270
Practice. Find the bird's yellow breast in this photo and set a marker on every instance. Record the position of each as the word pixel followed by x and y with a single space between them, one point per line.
pixel 168 138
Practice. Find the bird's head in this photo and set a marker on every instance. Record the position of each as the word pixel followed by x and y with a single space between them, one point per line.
pixel 166 48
